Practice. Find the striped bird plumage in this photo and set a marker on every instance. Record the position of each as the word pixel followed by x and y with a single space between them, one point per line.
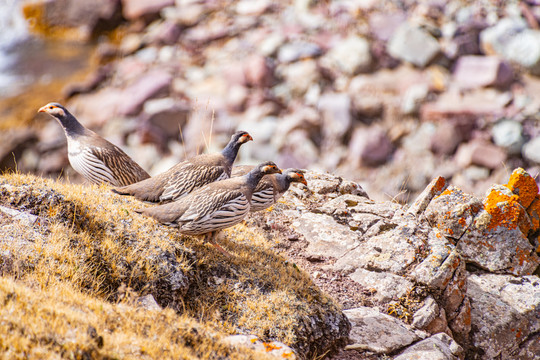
pixel 189 175
pixel 216 206
pixel 271 187
pixel 96 159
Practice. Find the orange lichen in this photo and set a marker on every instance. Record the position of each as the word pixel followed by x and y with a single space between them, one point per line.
pixel 505 211
pixel 524 186
pixel 270 346
pixel 440 183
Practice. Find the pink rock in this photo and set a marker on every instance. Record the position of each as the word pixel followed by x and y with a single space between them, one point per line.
pixel 134 9
pixel 168 33
pixel 94 109
pixel 449 135
pixel 480 71
pixel 482 153
pixel 257 71
pixel 383 25
pixel 150 85
pixel 369 146
pixel 486 103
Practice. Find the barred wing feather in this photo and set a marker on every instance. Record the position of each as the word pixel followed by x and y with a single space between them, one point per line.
pixel 187 177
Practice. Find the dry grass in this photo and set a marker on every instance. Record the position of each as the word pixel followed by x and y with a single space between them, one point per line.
pixel 63 323
pixel 90 240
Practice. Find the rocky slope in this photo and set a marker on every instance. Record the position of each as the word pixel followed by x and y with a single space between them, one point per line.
pixel 326 269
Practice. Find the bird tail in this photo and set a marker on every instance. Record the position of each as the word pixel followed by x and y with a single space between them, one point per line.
pixel 120 191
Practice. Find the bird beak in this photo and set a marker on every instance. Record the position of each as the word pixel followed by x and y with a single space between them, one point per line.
pixel 304 182
pixel 248 137
pixel 42 109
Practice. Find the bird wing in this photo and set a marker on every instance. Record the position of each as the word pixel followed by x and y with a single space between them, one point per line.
pixel 120 166
pixel 92 167
pixel 187 177
pixel 216 209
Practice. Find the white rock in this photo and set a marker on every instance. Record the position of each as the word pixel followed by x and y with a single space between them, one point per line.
pixel 377 332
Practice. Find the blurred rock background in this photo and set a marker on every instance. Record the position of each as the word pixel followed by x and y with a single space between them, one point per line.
pixel 390 94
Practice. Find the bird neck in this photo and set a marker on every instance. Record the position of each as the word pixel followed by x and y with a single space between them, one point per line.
pixel 283 181
pixel 253 177
pixel 230 151
pixel 72 127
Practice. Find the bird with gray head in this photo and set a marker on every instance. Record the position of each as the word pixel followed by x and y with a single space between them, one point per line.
pixel 213 207
pixel 271 187
pixel 96 159
pixel 188 175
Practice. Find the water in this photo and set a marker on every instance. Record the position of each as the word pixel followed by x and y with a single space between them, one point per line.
pixel 13 32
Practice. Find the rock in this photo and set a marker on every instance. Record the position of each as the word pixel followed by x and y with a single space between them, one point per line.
pixel 257 71
pixel 447 136
pixel 350 56
pixel 488 104
pixel 384 251
pixel 376 332
pixel 148 303
pixel 496 241
pixel 525 50
pixel 387 286
pixel 150 85
pixel 295 51
pixel 436 347
pixel 335 109
pixel 504 312
pixel 167 33
pixel 301 75
pixel 434 189
pixel 12 144
pixel 424 316
pixel 273 348
pixel 369 146
pixel 531 150
pixel 494 40
pixel 164 117
pixel 453 212
pixel 83 20
pixel 135 9
pixel 412 44
pixel 480 153
pixel 508 134
pixel 383 24
pixel 247 7
pixel 413 98
pixel 480 71
pixel 325 236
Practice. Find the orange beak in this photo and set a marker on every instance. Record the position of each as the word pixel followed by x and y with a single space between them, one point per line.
pixel 302 179
pixel 248 137
pixel 43 109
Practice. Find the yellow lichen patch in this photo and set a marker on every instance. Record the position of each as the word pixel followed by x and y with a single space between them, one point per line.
pixel 524 186
pixel 505 211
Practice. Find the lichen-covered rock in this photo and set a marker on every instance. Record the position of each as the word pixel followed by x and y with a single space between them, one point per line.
pixel 436 347
pixel 273 348
pixel 453 212
pixel 504 313
pixel 377 332
pixel 496 241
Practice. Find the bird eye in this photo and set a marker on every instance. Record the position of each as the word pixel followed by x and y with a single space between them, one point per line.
pixel 51 107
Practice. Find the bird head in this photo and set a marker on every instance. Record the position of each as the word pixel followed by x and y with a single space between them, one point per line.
pixel 269 168
pixel 54 109
pixel 296 175
pixel 241 137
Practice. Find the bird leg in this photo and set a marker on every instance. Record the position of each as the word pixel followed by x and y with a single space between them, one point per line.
pixel 210 237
